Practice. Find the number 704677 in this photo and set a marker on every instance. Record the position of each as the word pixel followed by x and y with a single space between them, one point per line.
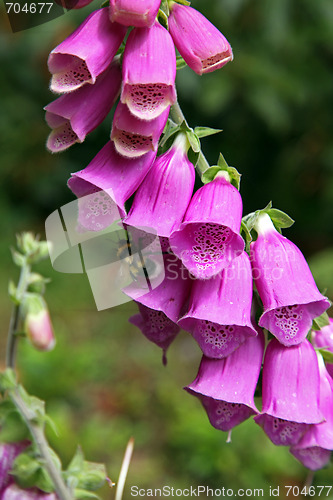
pixel 28 8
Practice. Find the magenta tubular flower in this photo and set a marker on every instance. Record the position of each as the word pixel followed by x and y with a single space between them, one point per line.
pixel 149 72
pixel 285 284
pixel 116 175
pixel 86 53
pixel 323 339
pixel 290 392
pixel 133 137
pixel 313 458
pixel 314 448
pixel 156 327
pixel 8 453
pixel 14 492
pixel 208 239
pixel 139 13
pixel 171 294
pixel 73 116
pixel 163 197
pixel 226 386
pixel 219 314
pixel 201 45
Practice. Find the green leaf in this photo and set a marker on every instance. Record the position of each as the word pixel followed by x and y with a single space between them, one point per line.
pixel 180 63
pixel 26 469
pixel 210 174
pixel 327 355
pixel 168 136
pixel 7 380
pixel 194 141
pixel 183 2
pixel 77 462
pixel 221 162
pixel 247 234
pixel 18 259
pixel 93 476
pixel 80 494
pixel 279 218
pixel 193 157
pixel 321 321
pixel 35 406
pixel 12 427
pixel 43 481
pixel 206 131
pixel 12 292
pixel 163 18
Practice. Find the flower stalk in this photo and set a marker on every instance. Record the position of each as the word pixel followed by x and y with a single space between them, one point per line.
pixel 177 116
pixel 32 251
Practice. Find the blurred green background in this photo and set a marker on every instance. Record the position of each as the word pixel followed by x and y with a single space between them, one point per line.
pixel 104 382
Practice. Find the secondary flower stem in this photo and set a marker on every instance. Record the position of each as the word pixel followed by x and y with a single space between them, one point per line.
pixel 36 432
pixel 38 436
pixel 178 117
pixel 15 317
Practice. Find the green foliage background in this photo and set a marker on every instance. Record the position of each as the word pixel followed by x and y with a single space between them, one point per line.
pixel 104 382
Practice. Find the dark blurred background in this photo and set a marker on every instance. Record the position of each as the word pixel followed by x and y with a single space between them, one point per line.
pixel 104 381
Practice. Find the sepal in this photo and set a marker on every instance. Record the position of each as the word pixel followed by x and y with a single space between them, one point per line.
pixel 206 131
pixel 13 429
pixel 327 355
pixel 83 475
pixel 321 321
pixel 222 166
pixel 280 219
pixel 28 470
pixel 7 380
pixel 180 63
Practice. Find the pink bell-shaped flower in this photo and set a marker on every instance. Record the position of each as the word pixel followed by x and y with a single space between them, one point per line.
pixel 149 72
pixel 86 53
pixel 290 392
pixel 171 295
pixel 115 175
pixel 219 314
pixel 285 284
pixel 208 239
pixel 323 339
pixel 201 45
pixel 226 386
pixel 156 327
pixel 139 13
pixel 133 137
pixel 314 448
pixel 163 197
pixel 72 116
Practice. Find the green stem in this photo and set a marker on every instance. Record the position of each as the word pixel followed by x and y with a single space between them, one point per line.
pixel 39 438
pixel 36 432
pixel 15 317
pixel 178 117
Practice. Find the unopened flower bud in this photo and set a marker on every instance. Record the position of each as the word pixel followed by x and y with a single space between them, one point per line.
pixel 37 325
